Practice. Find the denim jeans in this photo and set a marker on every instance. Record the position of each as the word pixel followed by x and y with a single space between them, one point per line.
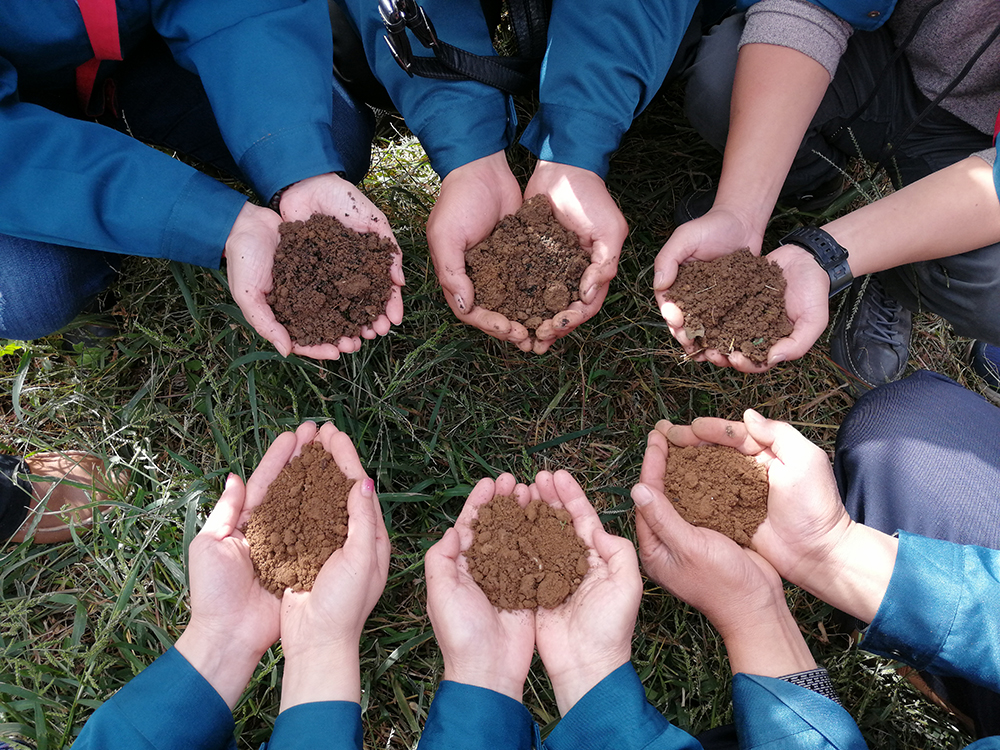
pixel 923 455
pixel 44 286
pixel 964 289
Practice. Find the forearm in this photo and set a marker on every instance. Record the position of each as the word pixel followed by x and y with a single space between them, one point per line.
pixel 768 644
pixel 761 145
pixel 225 664
pixel 949 212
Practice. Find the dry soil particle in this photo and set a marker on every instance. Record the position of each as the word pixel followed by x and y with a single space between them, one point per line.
pixel 719 488
pixel 530 267
pixel 300 523
pixel 523 558
pixel 329 280
pixel 733 303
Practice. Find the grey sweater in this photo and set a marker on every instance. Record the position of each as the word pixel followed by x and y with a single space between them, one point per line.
pixel 944 43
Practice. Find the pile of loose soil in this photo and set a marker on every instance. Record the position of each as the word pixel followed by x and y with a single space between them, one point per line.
pixel 523 558
pixel 733 303
pixel 329 280
pixel 718 487
pixel 530 268
pixel 300 523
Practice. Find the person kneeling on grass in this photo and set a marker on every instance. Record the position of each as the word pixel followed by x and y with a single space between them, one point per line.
pixel 902 467
pixel 585 643
pixel 246 90
pixel 186 697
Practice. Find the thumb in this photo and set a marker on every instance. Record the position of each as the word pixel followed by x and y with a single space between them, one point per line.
pixel 787 443
pixel 617 552
pixel 659 514
pixel 441 563
pixel 361 522
pixel 226 513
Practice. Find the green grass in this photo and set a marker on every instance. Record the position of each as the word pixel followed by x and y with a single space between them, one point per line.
pixel 187 393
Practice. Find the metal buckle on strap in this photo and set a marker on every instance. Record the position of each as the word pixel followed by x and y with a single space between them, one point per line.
pixel 397 17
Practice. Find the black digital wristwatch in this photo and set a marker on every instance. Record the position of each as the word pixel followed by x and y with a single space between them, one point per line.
pixel 830 255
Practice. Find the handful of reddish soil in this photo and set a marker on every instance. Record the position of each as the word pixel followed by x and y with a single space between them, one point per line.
pixel 523 558
pixel 530 268
pixel 302 521
pixel 733 303
pixel 329 280
pixel 719 488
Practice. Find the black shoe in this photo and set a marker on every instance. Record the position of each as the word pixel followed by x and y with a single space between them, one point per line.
pixel 697 204
pixel 870 339
pixel 985 361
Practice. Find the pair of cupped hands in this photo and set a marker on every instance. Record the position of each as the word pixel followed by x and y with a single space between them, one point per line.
pixel 234 619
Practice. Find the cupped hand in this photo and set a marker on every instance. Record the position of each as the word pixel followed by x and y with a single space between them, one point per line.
pixel 481 645
pixel 581 202
pixel 321 629
pixel 717 233
pixel 709 571
pixel 332 195
pixel 472 201
pixel 233 618
pixel 588 636
pixel 805 516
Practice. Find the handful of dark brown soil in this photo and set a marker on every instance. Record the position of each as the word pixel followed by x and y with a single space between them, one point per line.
pixel 530 268
pixel 718 487
pixel 523 558
pixel 300 523
pixel 329 280
pixel 733 303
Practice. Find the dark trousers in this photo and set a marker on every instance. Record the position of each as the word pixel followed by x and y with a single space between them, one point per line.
pixel 15 497
pixel 44 286
pixel 894 130
pixel 922 455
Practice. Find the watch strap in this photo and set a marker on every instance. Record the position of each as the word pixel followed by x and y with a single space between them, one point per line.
pixel 831 256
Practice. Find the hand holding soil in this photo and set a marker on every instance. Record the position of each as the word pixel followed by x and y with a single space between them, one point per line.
pixel 700 566
pixel 481 645
pixel 589 635
pixel 733 306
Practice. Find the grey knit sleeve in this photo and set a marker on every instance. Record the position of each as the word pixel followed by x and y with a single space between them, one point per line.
pixel 800 25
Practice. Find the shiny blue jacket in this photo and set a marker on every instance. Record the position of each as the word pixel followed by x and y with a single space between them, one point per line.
pixel 265 65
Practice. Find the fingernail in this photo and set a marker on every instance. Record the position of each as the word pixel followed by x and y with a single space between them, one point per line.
pixel 590 291
pixel 460 302
pixel 752 416
pixel 368 487
pixel 641 495
pixel 658 278
pixel 776 359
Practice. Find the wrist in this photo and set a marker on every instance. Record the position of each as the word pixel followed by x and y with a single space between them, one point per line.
pixel 321 674
pixel 496 677
pixel 767 642
pixel 225 662
pixel 570 685
pixel 829 254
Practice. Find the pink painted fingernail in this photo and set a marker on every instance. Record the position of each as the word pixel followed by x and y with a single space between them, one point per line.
pixel 368 487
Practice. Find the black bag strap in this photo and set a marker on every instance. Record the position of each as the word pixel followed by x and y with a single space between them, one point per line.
pixel 513 75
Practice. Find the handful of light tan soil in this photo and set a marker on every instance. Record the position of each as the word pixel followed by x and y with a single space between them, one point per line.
pixel 300 523
pixel 523 558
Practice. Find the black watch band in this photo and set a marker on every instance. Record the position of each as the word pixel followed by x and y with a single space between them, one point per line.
pixel 831 257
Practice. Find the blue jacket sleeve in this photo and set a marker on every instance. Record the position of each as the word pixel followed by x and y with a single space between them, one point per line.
pixel 80 184
pixel 774 714
pixel 326 725
pixel 456 121
pixel 604 62
pixel 473 718
pixel 615 715
pixel 167 705
pixel 267 69
pixel 941 612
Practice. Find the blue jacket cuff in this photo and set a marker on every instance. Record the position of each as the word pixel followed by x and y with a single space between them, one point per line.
pixel 571 136
pixel 776 714
pixel 167 705
pixel 473 718
pixel 290 155
pixel 615 715
pixel 324 725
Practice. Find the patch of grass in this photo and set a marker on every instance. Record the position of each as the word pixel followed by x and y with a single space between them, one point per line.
pixel 187 393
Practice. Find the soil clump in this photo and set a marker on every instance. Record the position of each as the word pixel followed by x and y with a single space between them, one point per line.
pixel 523 558
pixel 329 280
pixel 719 488
pixel 300 523
pixel 733 303
pixel 530 268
